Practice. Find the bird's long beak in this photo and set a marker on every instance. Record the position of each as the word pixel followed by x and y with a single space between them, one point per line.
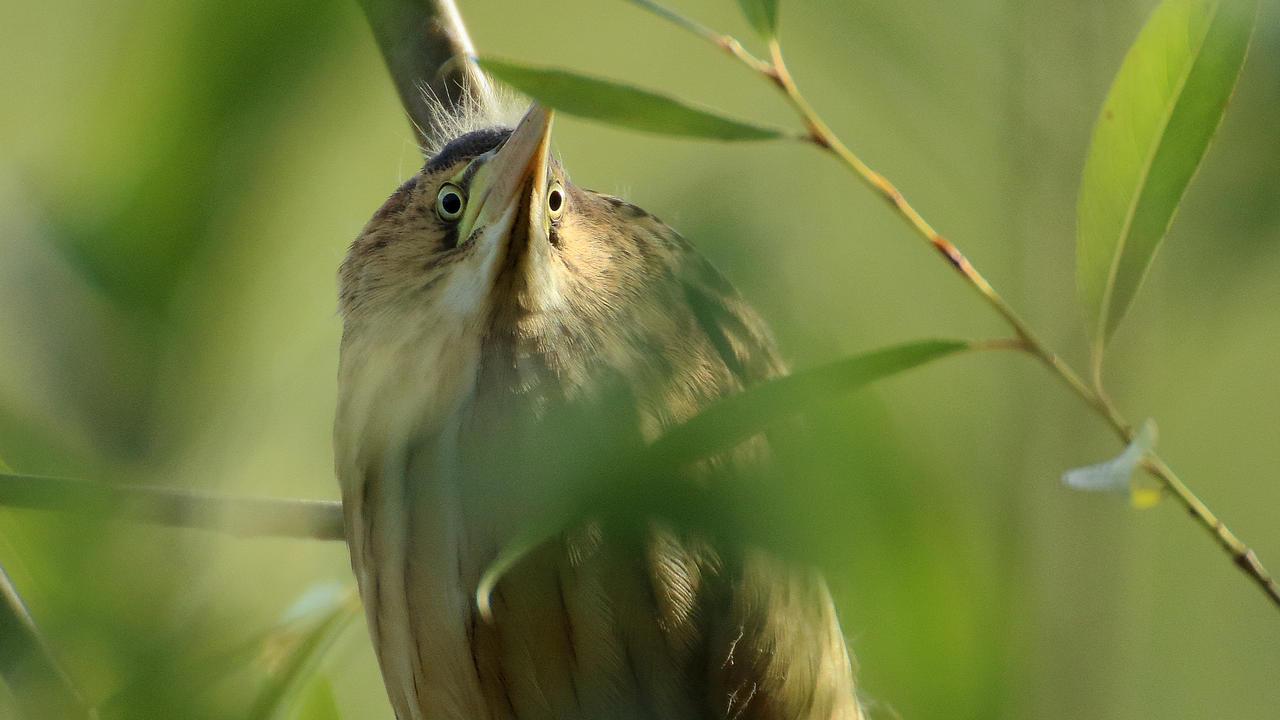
pixel 516 173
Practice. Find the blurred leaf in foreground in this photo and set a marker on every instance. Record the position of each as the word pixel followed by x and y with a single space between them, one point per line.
pixel 1154 128
pixel 621 105
pixel 739 417
pixel 1119 474
pixel 318 702
pixel 294 653
pixel 648 482
pixel 38 682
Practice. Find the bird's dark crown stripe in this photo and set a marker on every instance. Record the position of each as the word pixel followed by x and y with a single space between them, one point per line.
pixel 465 147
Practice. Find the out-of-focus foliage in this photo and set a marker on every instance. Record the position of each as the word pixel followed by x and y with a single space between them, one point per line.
pixel 740 417
pixel 621 105
pixel 178 182
pixel 1152 131
pixel 28 665
pixel 297 649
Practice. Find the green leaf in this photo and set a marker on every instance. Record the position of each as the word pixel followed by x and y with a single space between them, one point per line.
pixel 297 649
pixel 644 484
pixel 40 686
pixel 1154 128
pixel 739 417
pixel 621 105
pixel 1119 474
pixel 763 16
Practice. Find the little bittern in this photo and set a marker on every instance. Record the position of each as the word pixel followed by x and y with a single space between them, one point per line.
pixel 485 301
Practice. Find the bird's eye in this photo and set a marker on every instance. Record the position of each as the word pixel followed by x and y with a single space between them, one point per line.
pixel 555 201
pixel 450 202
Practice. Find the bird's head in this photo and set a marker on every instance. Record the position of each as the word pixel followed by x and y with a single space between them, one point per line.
pixel 490 257
pixel 489 274
pixel 492 237
pixel 482 217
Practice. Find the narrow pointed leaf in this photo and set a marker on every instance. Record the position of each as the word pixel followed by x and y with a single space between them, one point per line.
pixel 1154 128
pixel 40 685
pixel 739 417
pixel 645 485
pixel 37 680
pixel 763 16
pixel 621 105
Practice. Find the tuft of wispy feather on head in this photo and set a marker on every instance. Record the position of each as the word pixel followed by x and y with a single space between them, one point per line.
pixel 481 108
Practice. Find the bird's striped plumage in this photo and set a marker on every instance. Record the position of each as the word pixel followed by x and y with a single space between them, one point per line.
pixel 475 371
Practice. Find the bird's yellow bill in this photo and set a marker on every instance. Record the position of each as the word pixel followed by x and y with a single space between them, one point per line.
pixel 517 171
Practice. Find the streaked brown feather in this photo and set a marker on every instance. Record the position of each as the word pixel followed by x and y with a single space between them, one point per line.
pixel 464 421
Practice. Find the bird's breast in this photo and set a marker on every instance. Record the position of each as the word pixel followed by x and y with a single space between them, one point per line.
pixel 396 434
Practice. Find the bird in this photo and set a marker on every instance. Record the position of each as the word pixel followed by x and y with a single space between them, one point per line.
pixel 499 324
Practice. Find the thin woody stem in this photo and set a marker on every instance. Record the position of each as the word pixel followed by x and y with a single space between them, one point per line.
pixel 725 42
pixel 1241 554
pixel 820 134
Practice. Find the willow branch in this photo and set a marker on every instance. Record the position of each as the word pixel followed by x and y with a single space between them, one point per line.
pixel 819 134
pixel 1242 555
pixel 239 516
pixel 822 136
pixel 427 51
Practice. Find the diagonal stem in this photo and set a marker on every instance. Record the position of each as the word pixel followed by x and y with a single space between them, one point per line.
pixel 1243 557
pixel 820 134
pixel 427 51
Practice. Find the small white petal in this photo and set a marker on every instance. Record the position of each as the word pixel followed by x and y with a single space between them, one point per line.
pixel 1114 475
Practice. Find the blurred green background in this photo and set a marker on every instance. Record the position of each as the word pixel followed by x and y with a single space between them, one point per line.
pixel 179 181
